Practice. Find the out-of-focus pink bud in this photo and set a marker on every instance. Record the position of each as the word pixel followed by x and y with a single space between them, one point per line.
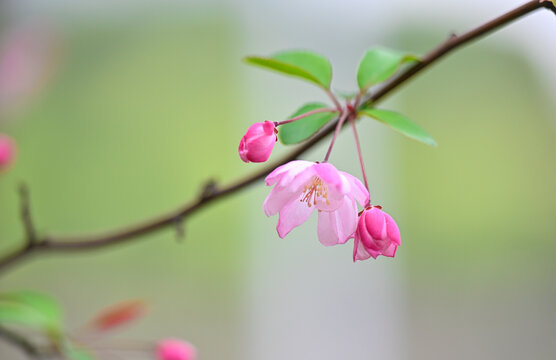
pixel 256 145
pixel 119 314
pixel 173 349
pixel 377 234
pixel 7 152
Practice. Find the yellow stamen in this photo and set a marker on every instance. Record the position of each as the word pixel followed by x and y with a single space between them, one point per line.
pixel 314 190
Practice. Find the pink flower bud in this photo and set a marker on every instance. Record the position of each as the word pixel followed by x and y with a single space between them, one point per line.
pixel 376 234
pixel 173 349
pixel 256 145
pixel 7 151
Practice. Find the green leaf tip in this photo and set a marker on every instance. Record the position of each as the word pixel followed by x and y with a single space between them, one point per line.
pixel 298 63
pixel 380 64
pixel 401 124
pixel 302 129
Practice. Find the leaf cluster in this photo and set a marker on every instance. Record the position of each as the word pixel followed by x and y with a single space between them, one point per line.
pixel 377 66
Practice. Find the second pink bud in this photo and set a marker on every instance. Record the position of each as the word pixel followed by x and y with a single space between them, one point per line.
pixel 257 144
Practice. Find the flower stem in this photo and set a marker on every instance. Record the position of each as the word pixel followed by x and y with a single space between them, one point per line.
pixel 358 98
pixel 338 127
pixel 309 113
pixel 359 154
pixel 334 99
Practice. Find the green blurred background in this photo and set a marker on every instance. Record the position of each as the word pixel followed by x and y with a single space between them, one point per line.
pixel 147 102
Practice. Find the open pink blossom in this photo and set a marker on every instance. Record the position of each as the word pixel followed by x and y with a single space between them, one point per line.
pixel 173 349
pixel 257 144
pixel 300 187
pixel 377 234
pixel 7 151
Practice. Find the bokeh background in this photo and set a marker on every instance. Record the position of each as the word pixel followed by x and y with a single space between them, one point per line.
pixel 133 104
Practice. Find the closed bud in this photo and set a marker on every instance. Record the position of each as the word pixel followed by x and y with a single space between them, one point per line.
pixel 173 349
pixel 257 144
pixel 376 234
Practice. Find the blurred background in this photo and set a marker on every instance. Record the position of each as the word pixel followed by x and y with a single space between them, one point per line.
pixel 124 108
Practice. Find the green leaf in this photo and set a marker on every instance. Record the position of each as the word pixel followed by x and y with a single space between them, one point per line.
pixel 302 129
pixel 31 309
pixel 379 65
pixel 303 64
pixel 400 123
pixel 79 354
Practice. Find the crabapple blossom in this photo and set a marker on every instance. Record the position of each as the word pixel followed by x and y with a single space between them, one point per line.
pixel 300 187
pixel 377 234
pixel 256 145
pixel 173 349
pixel 7 151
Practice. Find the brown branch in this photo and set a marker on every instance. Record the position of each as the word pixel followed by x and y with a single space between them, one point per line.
pixel 209 195
pixel 18 341
pixel 25 206
pixel 454 41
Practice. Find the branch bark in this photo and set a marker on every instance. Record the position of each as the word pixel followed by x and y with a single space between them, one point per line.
pixel 53 243
pixel 31 350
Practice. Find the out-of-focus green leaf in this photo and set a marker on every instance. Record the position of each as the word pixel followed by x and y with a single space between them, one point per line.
pixel 79 354
pixel 302 129
pixel 379 65
pixel 15 313
pixel 30 309
pixel 400 123
pixel 303 64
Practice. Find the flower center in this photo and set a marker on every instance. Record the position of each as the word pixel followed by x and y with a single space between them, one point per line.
pixel 314 190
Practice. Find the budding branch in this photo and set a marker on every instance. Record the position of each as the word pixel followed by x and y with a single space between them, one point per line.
pixel 35 244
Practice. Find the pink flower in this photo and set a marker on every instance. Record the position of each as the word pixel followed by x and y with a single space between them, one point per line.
pixel 7 151
pixel 377 234
pixel 173 349
pixel 27 56
pixel 303 186
pixel 256 145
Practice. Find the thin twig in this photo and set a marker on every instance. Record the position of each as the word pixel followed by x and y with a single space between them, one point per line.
pixel 359 153
pixel 343 118
pixel 85 242
pixel 334 99
pixel 26 218
pixel 309 113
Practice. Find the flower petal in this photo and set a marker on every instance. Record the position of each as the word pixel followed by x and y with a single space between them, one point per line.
pixel 359 252
pixel 331 176
pixel 293 214
pixel 392 230
pixel 358 190
pixel 336 227
pixel 260 148
pixel 390 251
pixel 268 128
pixel 375 223
pixel 285 173
pixel 277 198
